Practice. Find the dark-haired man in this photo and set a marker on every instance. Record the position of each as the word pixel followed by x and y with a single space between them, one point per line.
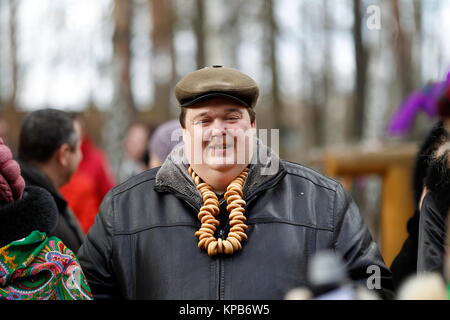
pixel 49 153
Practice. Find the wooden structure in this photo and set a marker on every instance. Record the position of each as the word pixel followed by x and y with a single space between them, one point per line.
pixel 394 164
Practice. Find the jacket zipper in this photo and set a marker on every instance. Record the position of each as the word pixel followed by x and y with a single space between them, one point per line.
pixel 221 281
pixel 218 275
pixel 220 270
pixel 221 234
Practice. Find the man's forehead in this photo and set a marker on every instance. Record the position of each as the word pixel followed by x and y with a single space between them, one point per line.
pixel 215 110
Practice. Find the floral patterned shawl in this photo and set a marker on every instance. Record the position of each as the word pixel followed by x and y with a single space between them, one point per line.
pixel 38 267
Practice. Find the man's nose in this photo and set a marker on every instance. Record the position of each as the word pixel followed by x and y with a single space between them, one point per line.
pixel 218 128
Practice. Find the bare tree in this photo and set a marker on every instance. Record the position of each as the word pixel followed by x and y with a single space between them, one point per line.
pixel 232 27
pixel 417 78
pixel 13 43
pixel 305 73
pixel 402 50
pixel 198 22
pixel 361 61
pixel 1 61
pixel 321 85
pixel 123 13
pixel 122 111
pixel 163 57
pixel 10 101
pixel 272 60
pixel 10 116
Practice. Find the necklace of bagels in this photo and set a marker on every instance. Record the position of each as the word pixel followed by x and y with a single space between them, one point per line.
pixel 210 209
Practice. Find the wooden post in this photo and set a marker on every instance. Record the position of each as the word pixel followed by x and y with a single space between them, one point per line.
pixel 396 208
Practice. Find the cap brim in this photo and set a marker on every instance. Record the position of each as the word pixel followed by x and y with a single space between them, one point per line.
pixel 214 95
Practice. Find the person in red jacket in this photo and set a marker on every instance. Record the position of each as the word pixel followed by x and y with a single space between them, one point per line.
pixel 89 184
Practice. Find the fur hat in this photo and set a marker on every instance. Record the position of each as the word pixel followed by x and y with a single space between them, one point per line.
pixel 11 182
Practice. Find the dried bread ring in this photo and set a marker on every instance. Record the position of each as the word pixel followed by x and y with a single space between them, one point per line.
pixel 228 247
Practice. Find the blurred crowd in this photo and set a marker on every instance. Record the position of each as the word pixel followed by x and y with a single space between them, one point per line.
pixel 50 195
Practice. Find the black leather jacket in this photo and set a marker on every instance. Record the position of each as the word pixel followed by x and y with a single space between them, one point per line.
pixel 142 245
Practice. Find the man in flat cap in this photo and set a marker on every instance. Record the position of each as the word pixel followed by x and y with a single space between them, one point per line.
pixel 213 222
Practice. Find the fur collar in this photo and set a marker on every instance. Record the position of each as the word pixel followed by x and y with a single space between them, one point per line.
pixel 436 137
pixel 35 211
pixel 173 175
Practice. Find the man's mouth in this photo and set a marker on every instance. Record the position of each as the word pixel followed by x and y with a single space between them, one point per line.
pixel 221 146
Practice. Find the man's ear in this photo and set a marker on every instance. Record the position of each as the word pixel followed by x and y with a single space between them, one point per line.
pixel 186 136
pixel 254 124
pixel 62 155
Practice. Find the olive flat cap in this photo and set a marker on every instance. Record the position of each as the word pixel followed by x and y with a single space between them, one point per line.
pixel 216 81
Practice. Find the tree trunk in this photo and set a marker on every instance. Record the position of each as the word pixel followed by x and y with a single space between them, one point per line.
pixel 272 31
pixel 123 14
pixel 198 22
pixel 231 30
pixel 306 128
pixel 417 78
pixel 402 50
pixel 13 51
pixel 163 58
pixel 361 61
pixel 312 133
pixel 272 59
pixel 326 79
pixel 1 62
pixel 122 110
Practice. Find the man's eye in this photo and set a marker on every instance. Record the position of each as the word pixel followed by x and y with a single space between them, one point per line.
pixel 233 118
pixel 201 121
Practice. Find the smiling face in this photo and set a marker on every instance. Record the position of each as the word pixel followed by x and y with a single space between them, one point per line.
pixel 218 134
